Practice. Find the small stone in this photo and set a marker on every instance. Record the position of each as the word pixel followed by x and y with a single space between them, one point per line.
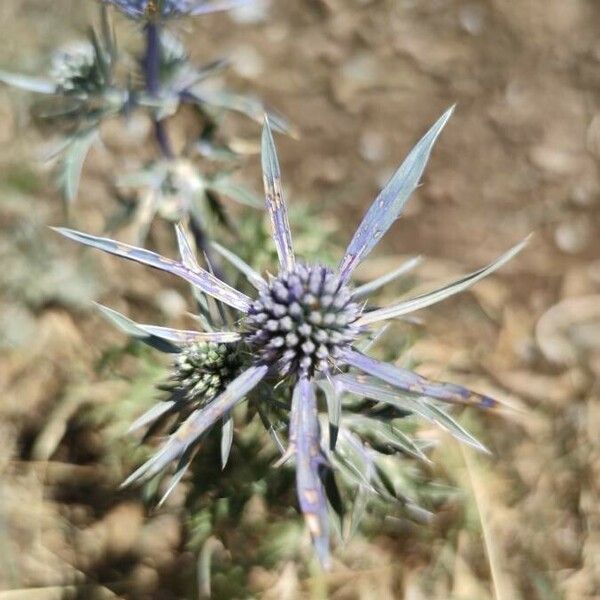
pixel 247 62
pixel 471 18
pixel 573 236
pixel 372 146
pixel 554 161
pixel 171 303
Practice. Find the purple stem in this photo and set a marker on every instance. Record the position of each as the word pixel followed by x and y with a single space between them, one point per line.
pixel 151 64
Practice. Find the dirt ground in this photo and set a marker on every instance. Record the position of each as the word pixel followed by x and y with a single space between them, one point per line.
pixel 361 80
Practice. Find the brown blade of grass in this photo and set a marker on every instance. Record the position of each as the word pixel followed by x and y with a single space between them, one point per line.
pixel 502 586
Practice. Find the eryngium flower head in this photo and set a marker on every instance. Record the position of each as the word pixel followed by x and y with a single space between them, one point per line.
pixel 156 9
pixel 201 371
pixel 302 327
pixel 302 320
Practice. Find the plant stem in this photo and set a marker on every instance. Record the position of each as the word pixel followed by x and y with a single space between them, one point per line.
pixel 151 65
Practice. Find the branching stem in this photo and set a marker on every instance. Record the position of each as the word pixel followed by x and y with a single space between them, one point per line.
pixel 151 65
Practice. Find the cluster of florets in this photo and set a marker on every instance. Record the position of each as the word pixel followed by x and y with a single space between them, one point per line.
pixel 76 70
pixel 202 371
pixel 302 320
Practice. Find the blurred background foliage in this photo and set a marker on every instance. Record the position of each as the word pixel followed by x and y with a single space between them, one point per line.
pixel 361 80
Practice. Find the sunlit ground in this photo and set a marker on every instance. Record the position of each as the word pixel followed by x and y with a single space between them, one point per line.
pixel 361 81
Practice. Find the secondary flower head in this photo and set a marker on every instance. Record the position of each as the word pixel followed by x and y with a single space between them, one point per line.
pixel 77 70
pixel 90 81
pixel 201 371
pixel 303 327
pixel 157 9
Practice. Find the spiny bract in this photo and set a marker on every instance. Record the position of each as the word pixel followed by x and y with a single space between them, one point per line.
pixel 303 328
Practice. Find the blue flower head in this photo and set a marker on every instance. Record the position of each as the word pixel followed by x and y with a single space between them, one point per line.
pixel 302 326
pixel 162 9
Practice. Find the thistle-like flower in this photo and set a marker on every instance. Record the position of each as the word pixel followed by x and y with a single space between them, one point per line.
pixel 80 70
pixel 304 328
pixel 90 82
pixel 164 9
